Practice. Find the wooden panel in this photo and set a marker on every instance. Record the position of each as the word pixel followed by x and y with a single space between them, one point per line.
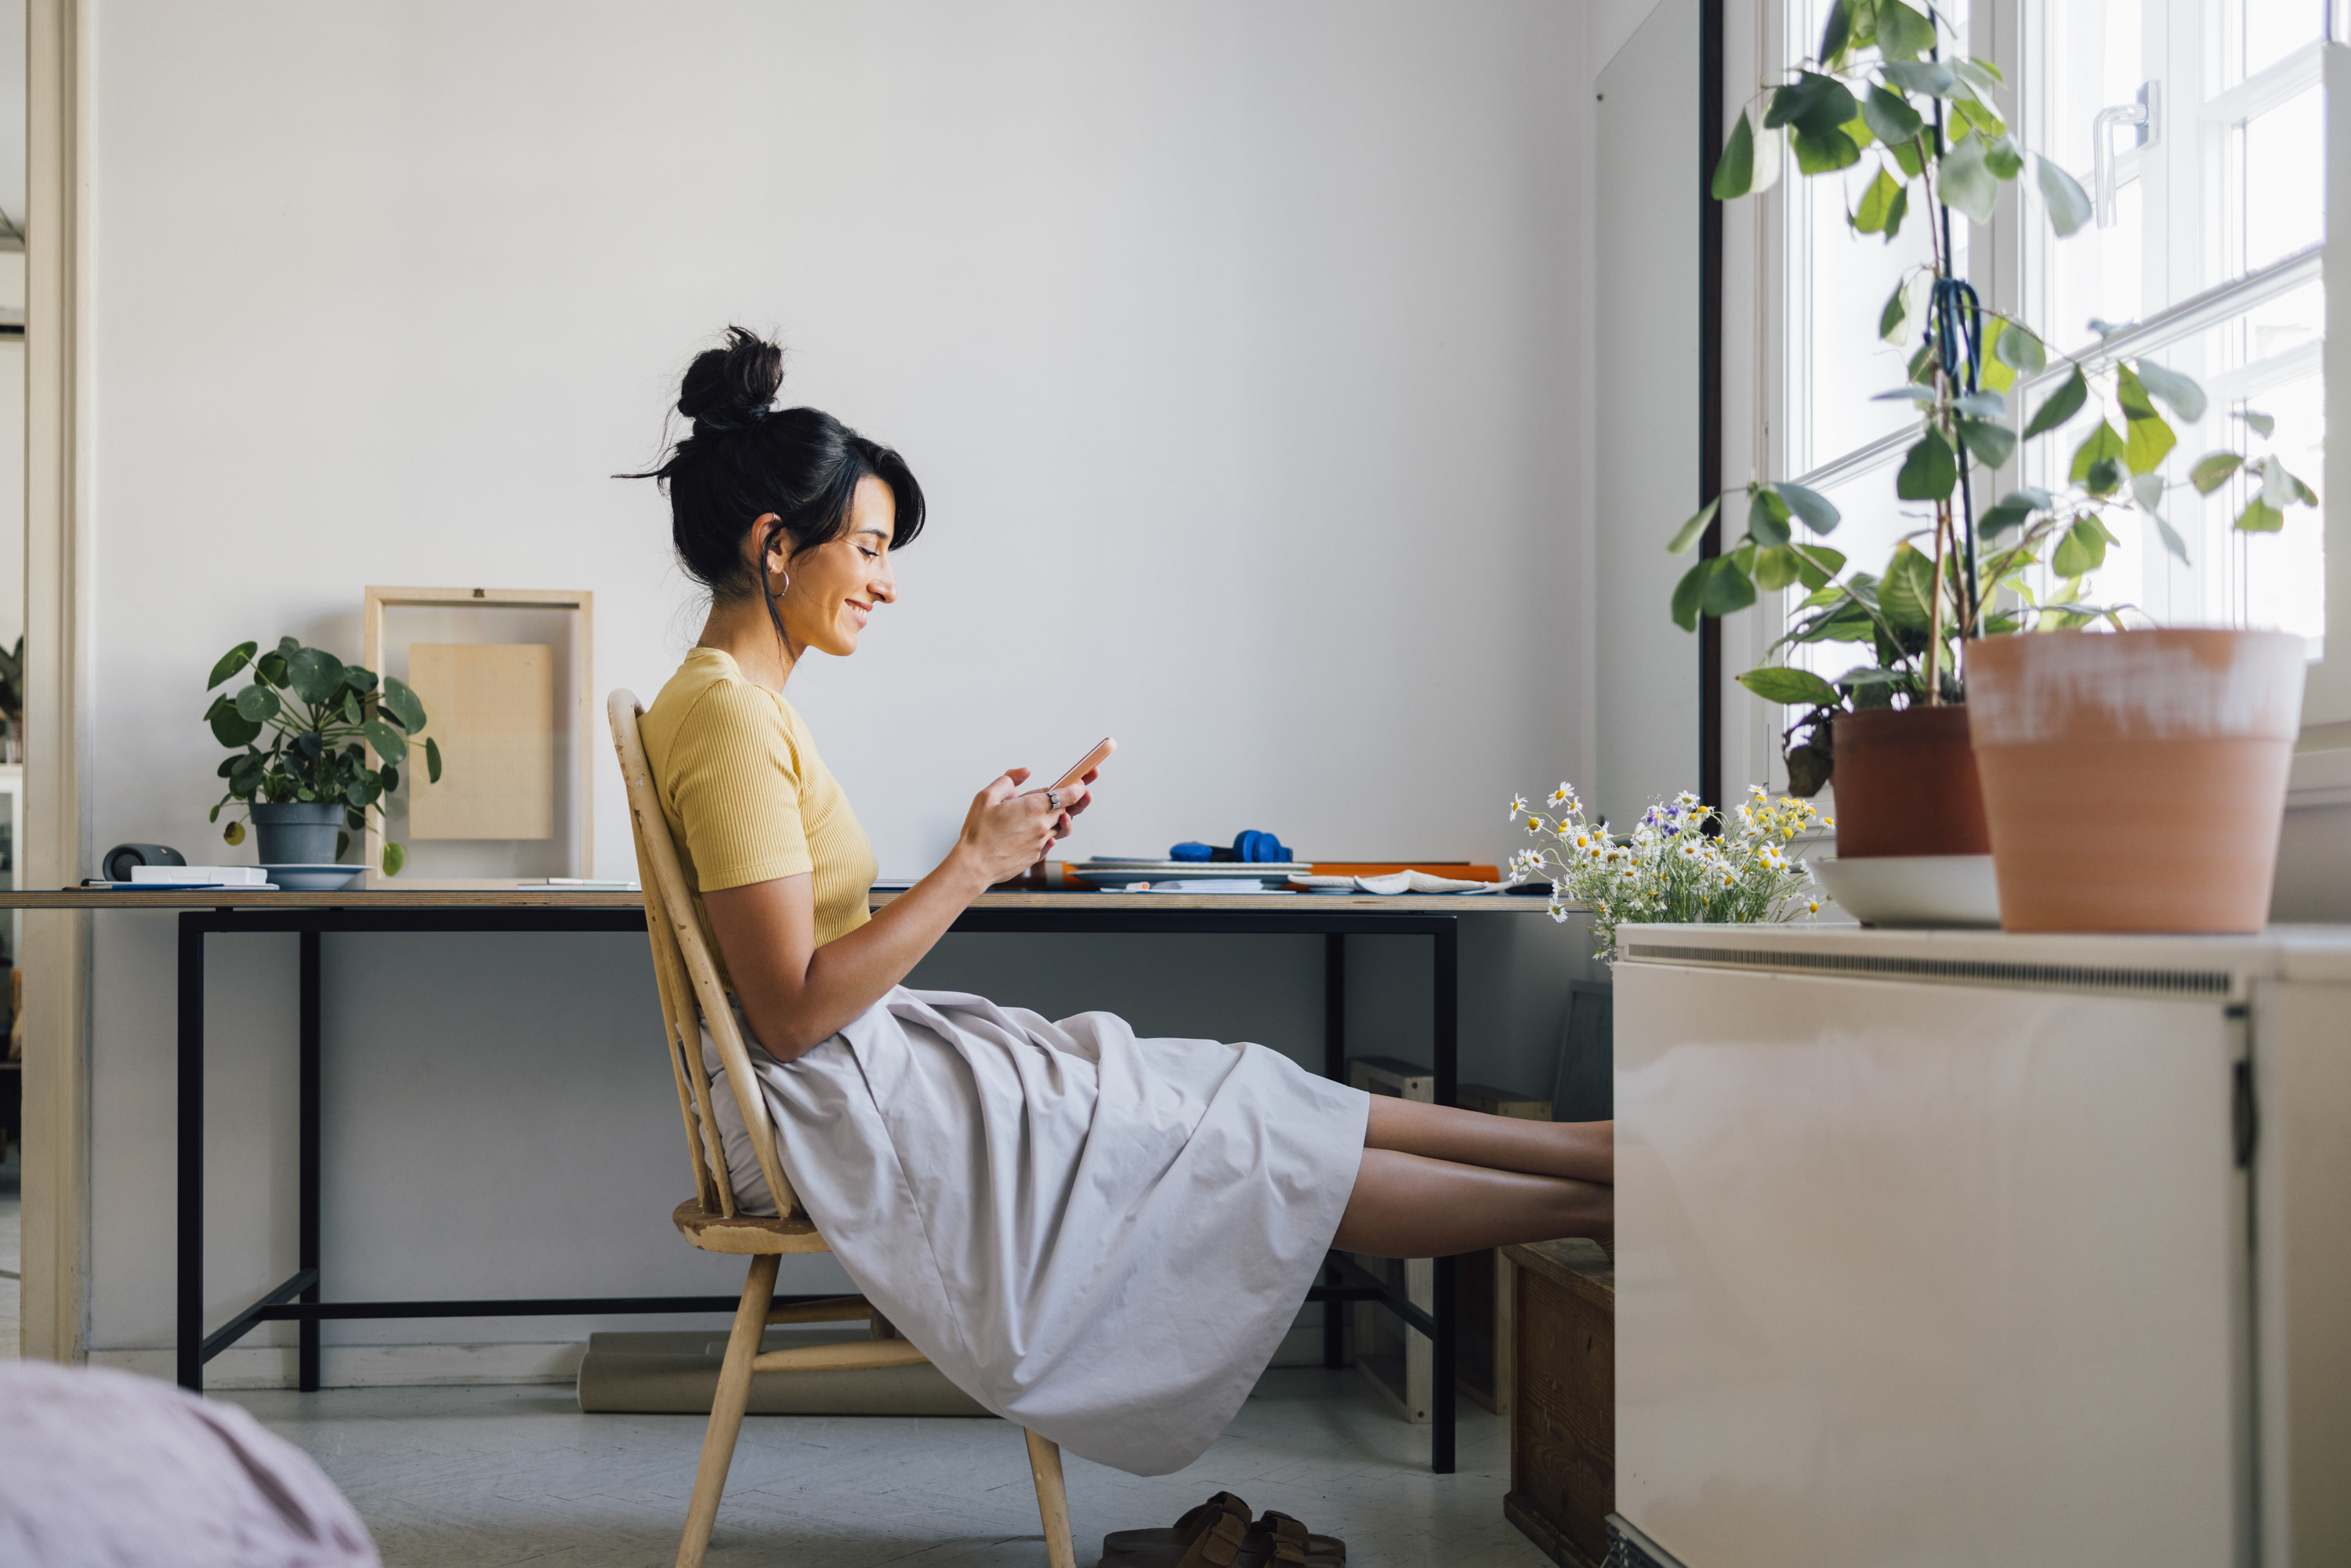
pixel 1563 1402
pixel 491 705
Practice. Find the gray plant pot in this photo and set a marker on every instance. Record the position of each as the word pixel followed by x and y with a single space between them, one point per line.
pixel 299 833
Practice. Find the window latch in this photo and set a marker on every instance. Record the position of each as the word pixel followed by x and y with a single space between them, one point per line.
pixel 2145 117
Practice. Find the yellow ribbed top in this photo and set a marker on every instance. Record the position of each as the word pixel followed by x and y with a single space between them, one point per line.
pixel 747 798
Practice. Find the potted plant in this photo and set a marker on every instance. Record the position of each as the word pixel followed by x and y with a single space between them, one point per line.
pixel 1897 729
pixel 311 787
pixel 1680 863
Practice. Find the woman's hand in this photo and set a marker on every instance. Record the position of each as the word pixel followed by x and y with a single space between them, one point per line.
pixel 1006 832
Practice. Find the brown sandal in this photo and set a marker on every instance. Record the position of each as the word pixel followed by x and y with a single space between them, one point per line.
pixel 1212 1536
pixel 1278 1541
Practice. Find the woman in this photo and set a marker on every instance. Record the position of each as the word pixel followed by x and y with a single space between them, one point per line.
pixel 1099 1237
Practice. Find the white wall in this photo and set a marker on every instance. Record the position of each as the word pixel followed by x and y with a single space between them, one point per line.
pixel 1240 349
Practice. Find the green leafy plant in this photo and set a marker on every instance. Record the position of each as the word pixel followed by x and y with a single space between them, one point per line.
pixel 12 682
pixel 1880 86
pixel 321 717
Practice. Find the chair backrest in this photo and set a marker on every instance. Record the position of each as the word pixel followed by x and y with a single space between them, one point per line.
pixel 690 995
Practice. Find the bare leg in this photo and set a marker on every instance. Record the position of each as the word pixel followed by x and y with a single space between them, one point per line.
pixel 1410 1206
pixel 1585 1151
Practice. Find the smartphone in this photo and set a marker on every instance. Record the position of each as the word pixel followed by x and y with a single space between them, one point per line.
pixel 1086 764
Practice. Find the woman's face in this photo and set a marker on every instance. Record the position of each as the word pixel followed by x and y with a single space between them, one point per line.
pixel 834 587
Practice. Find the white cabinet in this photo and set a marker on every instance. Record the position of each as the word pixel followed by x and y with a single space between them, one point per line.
pixel 1961 1248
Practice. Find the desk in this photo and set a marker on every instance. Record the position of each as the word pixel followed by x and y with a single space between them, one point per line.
pixel 309 916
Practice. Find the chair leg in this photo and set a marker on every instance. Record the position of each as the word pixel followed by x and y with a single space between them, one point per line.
pixel 727 1409
pixel 1052 1499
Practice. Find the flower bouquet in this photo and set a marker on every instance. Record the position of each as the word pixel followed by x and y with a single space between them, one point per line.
pixel 1668 868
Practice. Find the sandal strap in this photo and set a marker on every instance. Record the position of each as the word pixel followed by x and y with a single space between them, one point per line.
pixel 1286 1540
pixel 1198 1518
pixel 1219 1545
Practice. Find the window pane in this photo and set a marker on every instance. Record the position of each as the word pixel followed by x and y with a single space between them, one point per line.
pixel 2267 31
pixel 2281 171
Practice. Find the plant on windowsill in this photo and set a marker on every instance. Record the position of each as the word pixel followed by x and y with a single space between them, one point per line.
pixel 311 787
pixel 1892 728
pixel 1672 866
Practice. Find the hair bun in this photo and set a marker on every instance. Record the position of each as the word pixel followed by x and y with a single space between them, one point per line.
pixel 732 387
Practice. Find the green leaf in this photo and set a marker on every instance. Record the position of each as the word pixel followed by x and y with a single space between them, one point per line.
pixel 1838 31
pixel 1816 564
pixel 1906 595
pixel 229 726
pixel 1790 687
pixel 2069 205
pixel 1982 405
pixel 270 668
pixel 1821 152
pixel 1910 156
pixel 2260 518
pixel 1767 517
pixel 1882 206
pixel 1689 531
pixel 1966 184
pixel 2018 347
pixel 1812 102
pixel 1923 396
pixel 431 761
pixel 1990 71
pixel 2147 489
pixel 2003 157
pixel 2261 424
pixel 1734 171
pixel 1928 471
pixel 394 857
pixel 360 792
pixel 314 674
pixel 2277 484
pixel 1811 505
pixel 1902 33
pixel 1858 132
pixel 2171 539
pixel 1728 588
pixel 403 705
pixel 1987 442
pixel 234 833
pixel 1776 568
pixel 2101 445
pixel 286 648
pixel 1973 112
pixel 1897 312
pixel 2060 405
pixel 389 743
pixel 2014 509
pixel 2212 471
pixel 2132 395
pixel 2185 398
pixel 257 702
pixel 232 661
pixel 359 678
pixel 1920 77
pixel 2151 439
pixel 2082 550
pixel 1890 116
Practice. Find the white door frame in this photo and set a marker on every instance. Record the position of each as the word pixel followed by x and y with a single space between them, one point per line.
pixel 58 715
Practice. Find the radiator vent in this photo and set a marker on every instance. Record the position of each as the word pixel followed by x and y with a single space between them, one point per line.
pixel 1628 1548
pixel 2182 983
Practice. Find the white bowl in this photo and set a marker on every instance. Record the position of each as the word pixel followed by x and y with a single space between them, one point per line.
pixel 1913 890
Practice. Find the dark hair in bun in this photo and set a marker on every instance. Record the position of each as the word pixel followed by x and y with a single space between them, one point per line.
pixel 744 459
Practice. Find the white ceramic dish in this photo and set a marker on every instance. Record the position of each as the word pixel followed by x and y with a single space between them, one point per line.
pixel 1110 871
pixel 1913 890
pixel 313 878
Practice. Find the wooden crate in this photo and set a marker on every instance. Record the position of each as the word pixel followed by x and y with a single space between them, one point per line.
pixel 1563 1405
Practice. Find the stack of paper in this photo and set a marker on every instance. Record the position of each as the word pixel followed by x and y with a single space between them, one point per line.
pixel 200 876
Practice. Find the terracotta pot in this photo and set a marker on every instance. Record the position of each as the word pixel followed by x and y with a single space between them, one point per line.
pixel 2136 780
pixel 1905 785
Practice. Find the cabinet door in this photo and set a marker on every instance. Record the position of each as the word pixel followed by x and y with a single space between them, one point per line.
pixel 1926 1274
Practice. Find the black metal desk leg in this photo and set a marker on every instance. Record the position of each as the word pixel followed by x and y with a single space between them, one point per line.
pixel 307 1357
pixel 1448 1023
pixel 1334 1065
pixel 189 1316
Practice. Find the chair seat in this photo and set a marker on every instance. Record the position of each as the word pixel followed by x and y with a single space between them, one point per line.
pixel 745 1234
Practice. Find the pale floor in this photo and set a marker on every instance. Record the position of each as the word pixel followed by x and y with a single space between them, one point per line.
pixel 483 1477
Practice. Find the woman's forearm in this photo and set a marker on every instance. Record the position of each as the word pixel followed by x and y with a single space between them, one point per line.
pixel 791 1012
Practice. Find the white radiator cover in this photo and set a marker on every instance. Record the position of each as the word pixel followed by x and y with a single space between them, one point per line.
pixel 1936 1248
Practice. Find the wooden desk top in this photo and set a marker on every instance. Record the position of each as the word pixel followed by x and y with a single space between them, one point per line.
pixel 612 898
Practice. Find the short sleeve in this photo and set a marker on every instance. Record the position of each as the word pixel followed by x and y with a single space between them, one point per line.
pixel 735 783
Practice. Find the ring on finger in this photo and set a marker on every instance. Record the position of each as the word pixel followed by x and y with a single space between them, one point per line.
pixel 1053 799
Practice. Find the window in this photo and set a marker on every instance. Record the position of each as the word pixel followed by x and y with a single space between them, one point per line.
pixel 2199 128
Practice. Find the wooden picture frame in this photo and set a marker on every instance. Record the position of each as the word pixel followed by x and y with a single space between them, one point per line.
pixel 582 604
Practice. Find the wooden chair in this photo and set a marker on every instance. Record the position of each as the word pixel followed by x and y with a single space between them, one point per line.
pixel 690 996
